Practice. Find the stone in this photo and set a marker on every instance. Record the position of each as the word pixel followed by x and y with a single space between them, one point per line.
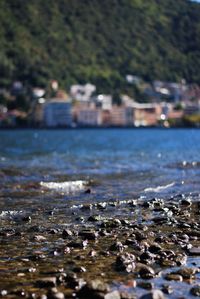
pixel 54 294
pixel 155 294
pixel 186 273
pixel 147 257
pixel 94 218
pixel 167 289
pixel 112 295
pixel 194 251
pixel 195 291
pixel 3 293
pixel 39 238
pixel 125 262
pixel 67 233
pixel 88 234
pixel 117 246
pixel 145 285
pixel 145 271
pixel 173 276
pixel 95 289
pixel 155 248
pixel 47 282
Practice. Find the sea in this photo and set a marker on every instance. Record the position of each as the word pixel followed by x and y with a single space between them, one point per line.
pixel 113 163
pixel 52 177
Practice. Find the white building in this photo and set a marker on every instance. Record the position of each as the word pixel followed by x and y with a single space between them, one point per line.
pixel 57 113
pixel 82 93
pixel 104 101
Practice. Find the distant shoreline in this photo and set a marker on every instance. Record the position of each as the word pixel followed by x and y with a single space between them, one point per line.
pixel 96 128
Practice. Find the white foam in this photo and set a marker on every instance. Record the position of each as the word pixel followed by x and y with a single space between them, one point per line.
pixel 65 187
pixel 159 188
pixel 10 213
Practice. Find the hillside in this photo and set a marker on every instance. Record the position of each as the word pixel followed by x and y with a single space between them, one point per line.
pixel 98 41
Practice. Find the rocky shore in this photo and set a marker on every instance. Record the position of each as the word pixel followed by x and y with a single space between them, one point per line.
pixel 154 254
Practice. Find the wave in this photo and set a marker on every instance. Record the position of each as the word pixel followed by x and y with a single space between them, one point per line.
pixel 65 187
pixel 159 188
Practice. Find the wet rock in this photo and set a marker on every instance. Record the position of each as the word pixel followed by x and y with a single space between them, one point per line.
pixel 195 291
pixel 87 207
pixel 92 253
pixel 78 244
pixel 155 294
pixel 127 295
pixel 172 276
pixel 186 202
pixel 187 273
pixel 47 282
pixel 88 191
pixel 140 236
pixel 155 248
pixel 39 238
pixel 54 294
pixel 79 269
pixel 95 289
pixel 54 231
pixel 145 271
pixel 167 289
pixel 147 257
pixel 180 259
pixel 112 295
pixel 73 282
pixel 67 233
pixel 27 219
pixel 194 251
pixel 167 263
pixel 89 234
pixel 102 205
pixel 145 285
pixel 125 262
pixel 117 246
pixel 7 232
pixel 132 203
pixel 3 293
pixel 115 223
pixel 95 218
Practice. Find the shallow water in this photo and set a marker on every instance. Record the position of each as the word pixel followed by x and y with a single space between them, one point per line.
pixel 43 171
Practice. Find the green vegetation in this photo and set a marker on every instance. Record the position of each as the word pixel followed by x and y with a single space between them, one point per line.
pixel 192 120
pixel 99 41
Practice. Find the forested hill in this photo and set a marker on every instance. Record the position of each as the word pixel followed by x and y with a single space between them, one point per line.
pixel 99 41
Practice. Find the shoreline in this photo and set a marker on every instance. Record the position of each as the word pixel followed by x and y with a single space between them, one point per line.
pixel 98 128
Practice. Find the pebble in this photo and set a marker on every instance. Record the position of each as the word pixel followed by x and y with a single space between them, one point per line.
pixel 155 294
pixel 46 282
pixel 195 291
pixel 54 294
pixel 145 285
pixel 167 289
pixel 172 276
pixel 194 251
pixel 125 262
pixel 145 271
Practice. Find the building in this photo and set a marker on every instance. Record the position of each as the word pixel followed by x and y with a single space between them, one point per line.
pixel 57 113
pixel 121 116
pixel 146 114
pixel 89 116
